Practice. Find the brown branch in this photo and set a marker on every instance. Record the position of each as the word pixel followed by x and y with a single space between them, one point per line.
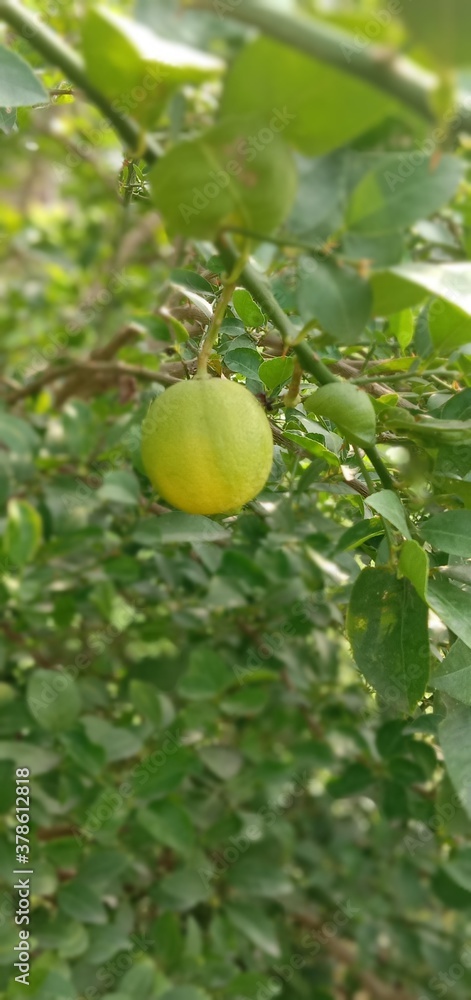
pixel 346 952
pixel 94 368
pixel 127 335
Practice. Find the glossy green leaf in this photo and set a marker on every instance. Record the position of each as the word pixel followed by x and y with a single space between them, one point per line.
pixel 401 190
pixel 136 68
pixel 207 675
pixel 175 528
pixel 82 903
pixel 450 532
pixel 388 504
pixel 23 534
pixel 276 372
pixel 348 407
pixel 247 310
pixel 53 699
pixel 453 606
pixel 407 284
pixel 146 701
pixel 253 923
pixel 169 824
pixel 449 328
pixel 453 675
pixel 220 179
pixel 19 86
pixel 387 628
pixel 337 298
pixel 222 761
pixel 120 487
pixel 414 564
pixel 454 741
pixel 244 361
pixel 284 87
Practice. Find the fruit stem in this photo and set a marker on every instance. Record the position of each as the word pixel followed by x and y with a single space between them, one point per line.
pixel 210 338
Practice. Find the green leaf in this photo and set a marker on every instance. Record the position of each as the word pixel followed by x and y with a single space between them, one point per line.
pixel 354 780
pixel 284 86
pixel 224 762
pixel 53 699
pixel 169 824
pixel 454 739
pixel 458 867
pixel 207 675
pixel 136 68
pixel 217 180
pixel 348 407
pixel 18 436
pixel 256 926
pixel 443 27
pixel 23 534
pixel 19 86
pixel 388 505
pixel 407 284
pixel 453 606
pixel 177 528
pixel 414 564
pixel 82 903
pixel 449 328
pixel 120 487
pixel 337 298
pixel 314 447
pixel 243 361
pixel 453 675
pixel 186 993
pixel 182 890
pixel 388 631
pixel 139 981
pixel 247 310
pixel 117 742
pixel 192 280
pixel 276 372
pixel 36 758
pixel 450 532
pixel 402 326
pixel 359 533
pixel 400 191
pixel 146 701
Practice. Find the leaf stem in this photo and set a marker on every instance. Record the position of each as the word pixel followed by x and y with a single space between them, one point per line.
pixel 54 48
pixel 229 285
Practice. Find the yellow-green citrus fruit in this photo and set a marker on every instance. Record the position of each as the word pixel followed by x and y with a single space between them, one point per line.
pixel 207 446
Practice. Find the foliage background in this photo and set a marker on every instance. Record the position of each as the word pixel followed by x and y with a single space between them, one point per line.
pixel 225 804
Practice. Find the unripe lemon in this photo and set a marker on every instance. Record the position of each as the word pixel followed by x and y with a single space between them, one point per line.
pixel 207 445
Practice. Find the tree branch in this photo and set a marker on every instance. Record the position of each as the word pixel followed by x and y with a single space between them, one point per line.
pixel 346 952
pixel 55 49
pixel 383 67
pixel 258 286
pixel 55 373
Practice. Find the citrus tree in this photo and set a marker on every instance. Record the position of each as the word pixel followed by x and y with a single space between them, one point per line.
pixel 240 725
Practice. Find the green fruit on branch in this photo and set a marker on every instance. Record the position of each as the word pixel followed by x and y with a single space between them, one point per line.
pixel 207 446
